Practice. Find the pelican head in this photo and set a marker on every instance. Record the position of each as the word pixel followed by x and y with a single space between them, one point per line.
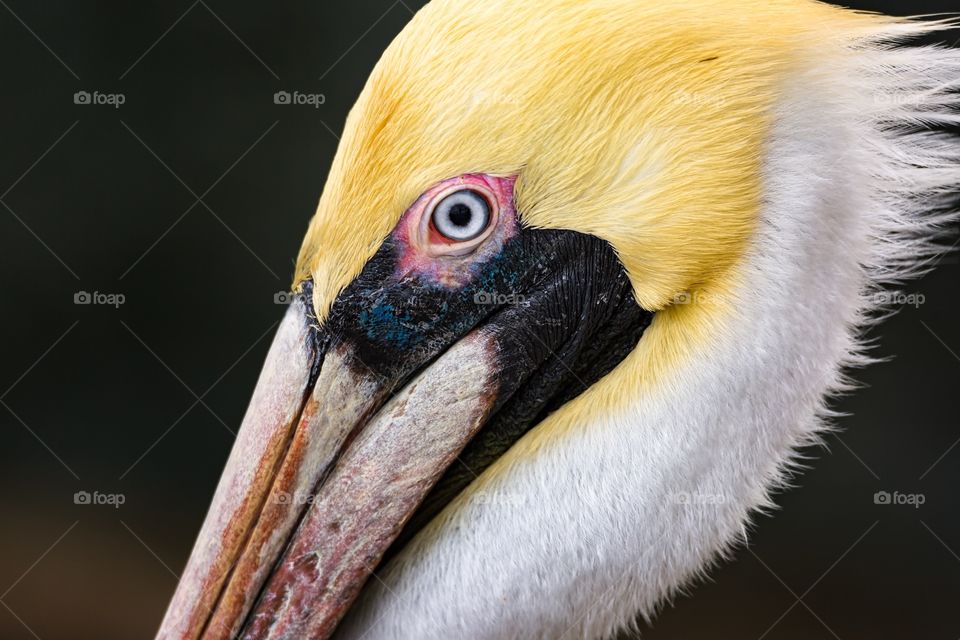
pixel 581 279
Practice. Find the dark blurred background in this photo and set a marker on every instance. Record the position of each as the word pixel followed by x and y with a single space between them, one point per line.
pixel 189 200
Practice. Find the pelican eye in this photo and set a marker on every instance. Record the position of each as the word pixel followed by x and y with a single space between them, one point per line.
pixel 461 216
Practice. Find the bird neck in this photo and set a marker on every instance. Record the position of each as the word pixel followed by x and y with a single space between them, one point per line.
pixel 639 484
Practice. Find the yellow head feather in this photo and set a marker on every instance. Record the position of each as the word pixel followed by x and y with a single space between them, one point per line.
pixel 640 122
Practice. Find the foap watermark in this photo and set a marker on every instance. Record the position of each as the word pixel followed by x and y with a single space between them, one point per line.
pixel 295 498
pixel 114 500
pixel 699 297
pixel 105 299
pixel 498 299
pixel 495 97
pixel 899 298
pixel 284 297
pixel 699 99
pixel 911 499
pixel 297 98
pixel 902 98
pixel 694 497
pixel 114 100
pixel 487 498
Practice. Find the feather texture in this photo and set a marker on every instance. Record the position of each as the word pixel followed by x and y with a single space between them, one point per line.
pixel 635 488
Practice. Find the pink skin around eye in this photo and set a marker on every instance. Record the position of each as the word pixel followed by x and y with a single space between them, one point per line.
pixel 445 262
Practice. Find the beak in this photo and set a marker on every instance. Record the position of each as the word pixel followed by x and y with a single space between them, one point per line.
pixel 354 423
pixel 299 520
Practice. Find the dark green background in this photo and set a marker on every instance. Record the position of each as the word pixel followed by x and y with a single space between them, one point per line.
pixel 88 391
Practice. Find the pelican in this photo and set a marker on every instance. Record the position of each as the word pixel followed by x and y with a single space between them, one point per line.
pixel 582 280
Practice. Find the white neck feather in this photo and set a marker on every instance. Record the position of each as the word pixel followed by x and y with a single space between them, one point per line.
pixel 583 532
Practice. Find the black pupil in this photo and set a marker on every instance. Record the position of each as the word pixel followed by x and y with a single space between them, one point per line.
pixel 460 214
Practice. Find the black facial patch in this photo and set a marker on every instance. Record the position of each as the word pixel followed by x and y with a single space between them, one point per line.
pixel 572 325
pixel 396 323
pixel 558 303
